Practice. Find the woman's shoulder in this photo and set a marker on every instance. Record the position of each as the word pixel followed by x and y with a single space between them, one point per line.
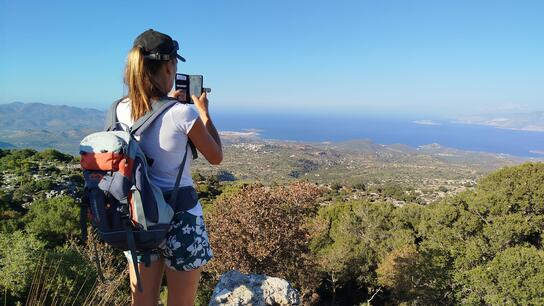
pixel 124 100
pixel 183 116
pixel 123 105
pixel 123 111
pixel 183 111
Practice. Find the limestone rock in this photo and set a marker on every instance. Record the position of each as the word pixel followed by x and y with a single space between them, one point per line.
pixel 237 289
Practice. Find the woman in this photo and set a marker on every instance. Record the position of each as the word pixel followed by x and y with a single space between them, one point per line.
pixel 149 75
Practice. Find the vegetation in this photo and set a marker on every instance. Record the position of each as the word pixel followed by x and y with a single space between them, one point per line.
pixel 53 220
pixel 262 230
pixel 339 244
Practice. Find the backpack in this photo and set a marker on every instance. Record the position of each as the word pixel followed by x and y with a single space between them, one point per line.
pixel 128 211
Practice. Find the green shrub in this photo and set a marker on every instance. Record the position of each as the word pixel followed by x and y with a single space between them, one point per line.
pixel 62 276
pixel 19 256
pixel 53 155
pixel 53 220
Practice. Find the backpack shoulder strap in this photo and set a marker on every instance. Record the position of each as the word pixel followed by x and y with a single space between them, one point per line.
pixel 174 196
pixel 111 117
pixel 157 108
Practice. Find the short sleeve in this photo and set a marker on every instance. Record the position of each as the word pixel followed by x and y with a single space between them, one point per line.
pixel 184 117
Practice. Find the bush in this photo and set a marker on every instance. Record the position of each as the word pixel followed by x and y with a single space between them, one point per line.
pixel 10 221
pixel 360 186
pixel 262 230
pixel 53 155
pixel 19 256
pixel 61 276
pixel 53 220
pixel 18 160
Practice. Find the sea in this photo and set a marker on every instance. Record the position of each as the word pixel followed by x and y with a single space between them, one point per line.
pixel 413 132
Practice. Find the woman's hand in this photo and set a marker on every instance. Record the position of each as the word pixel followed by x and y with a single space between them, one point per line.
pixel 203 134
pixel 201 104
pixel 178 95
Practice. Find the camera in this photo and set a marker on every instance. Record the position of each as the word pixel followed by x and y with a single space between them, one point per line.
pixel 191 85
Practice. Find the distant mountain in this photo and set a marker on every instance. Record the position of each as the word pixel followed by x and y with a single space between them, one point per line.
pixel 18 116
pixel 533 121
pixel 40 126
pixel 5 145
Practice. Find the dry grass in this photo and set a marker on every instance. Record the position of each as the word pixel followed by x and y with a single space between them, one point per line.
pixel 91 289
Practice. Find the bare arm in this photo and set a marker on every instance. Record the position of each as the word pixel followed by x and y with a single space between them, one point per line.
pixel 207 120
pixel 204 135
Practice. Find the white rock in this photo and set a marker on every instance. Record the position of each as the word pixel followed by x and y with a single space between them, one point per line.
pixel 235 289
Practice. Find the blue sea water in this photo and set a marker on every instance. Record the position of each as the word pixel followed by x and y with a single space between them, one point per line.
pixel 314 128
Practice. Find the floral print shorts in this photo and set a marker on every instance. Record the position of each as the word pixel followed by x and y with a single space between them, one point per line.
pixel 186 246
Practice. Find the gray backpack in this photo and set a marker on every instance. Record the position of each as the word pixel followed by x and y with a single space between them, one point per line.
pixel 127 209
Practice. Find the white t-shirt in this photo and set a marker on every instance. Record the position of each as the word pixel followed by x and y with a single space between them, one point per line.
pixel 164 141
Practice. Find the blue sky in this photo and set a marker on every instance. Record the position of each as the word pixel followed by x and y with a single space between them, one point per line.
pixel 395 58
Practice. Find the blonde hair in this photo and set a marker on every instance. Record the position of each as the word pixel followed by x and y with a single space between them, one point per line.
pixel 140 78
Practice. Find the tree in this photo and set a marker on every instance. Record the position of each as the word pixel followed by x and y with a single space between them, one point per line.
pixel 415 278
pixel 470 231
pixel 334 248
pixel 351 238
pixel 514 277
pixel 510 190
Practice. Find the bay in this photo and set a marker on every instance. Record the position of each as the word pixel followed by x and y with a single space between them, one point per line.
pixel 316 128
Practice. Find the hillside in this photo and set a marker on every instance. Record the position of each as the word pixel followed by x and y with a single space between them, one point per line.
pixel 341 245
pixel 432 171
pixel 18 116
pixel 40 126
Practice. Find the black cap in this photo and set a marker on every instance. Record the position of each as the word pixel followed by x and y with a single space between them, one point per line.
pixel 157 46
